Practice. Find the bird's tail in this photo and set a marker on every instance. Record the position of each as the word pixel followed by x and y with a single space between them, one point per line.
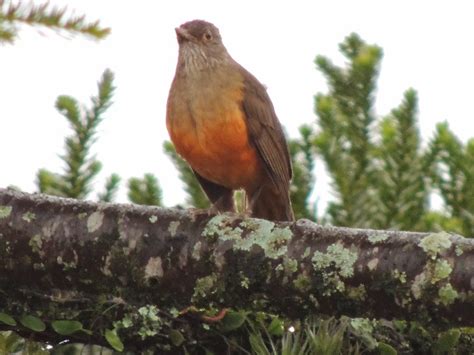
pixel 273 204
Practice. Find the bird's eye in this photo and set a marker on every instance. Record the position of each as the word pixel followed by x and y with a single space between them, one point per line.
pixel 207 36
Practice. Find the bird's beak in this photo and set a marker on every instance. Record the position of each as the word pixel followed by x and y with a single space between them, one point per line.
pixel 182 34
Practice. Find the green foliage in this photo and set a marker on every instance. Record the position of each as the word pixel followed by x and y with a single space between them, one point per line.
pixel 345 117
pixel 302 156
pixel 47 15
pixel 114 340
pixel 378 175
pixel 453 175
pixel 145 191
pixel 111 187
pixel 195 195
pixel 33 323
pixel 81 167
pixel 66 327
pixel 403 169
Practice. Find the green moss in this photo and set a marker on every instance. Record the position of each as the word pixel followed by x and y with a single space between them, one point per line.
pixel 36 243
pixel 447 294
pixel 5 211
pixel 377 238
pixel 291 265
pixel 28 217
pixel 400 276
pixel 306 253
pixel 205 286
pixel 357 293
pixel 244 281
pixel 302 283
pixel 151 323
pixel 435 243
pixel 334 265
pixel 442 270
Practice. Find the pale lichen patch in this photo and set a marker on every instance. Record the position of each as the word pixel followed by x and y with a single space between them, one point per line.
pixel 106 268
pixel 94 222
pixel 153 219
pixel 28 217
pixel 334 265
pixel 173 228
pixel 418 285
pixel 372 264
pixel 273 240
pixel 435 243
pixel 5 211
pixel 442 270
pixel 154 268
pixel 376 238
pixel 216 226
pixel 196 254
pixel 458 250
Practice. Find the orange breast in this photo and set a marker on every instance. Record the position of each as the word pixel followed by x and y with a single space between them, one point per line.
pixel 210 133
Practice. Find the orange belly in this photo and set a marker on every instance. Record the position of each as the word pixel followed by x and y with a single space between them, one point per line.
pixel 218 149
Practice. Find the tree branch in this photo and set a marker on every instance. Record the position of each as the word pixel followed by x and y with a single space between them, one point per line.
pixel 59 256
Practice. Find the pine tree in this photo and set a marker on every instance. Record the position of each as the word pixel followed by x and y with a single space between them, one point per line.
pixel 195 195
pixel 303 156
pixel 80 167
pixel 403 169
pixel 453 175
pixel 345 118
pixel 378 174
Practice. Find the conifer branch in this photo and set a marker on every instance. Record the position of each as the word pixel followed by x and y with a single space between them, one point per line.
pixel 145 191
pixel 81 168
pixel 47 15
pixel 195 195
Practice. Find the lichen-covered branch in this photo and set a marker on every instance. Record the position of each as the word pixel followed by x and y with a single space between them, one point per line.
pixel 60 256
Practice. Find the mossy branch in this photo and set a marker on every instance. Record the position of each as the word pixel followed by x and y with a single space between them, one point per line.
pixel 65 256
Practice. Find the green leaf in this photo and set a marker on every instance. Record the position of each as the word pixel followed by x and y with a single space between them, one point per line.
pixel 233 320
pixel 33 323
pixel 176 337
pixel 386 349
pixel 66 327
pixel 447 341
pixel 276 327
pixel 114 340
pixel 5 318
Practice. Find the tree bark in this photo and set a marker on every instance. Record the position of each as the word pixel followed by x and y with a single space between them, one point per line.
pixel 59 257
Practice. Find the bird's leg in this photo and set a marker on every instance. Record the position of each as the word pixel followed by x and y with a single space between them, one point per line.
pixel 251 199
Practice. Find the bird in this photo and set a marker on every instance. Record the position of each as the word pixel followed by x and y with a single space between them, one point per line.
pixel 222 122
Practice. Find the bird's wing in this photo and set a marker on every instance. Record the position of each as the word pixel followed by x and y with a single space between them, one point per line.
pixel 265 130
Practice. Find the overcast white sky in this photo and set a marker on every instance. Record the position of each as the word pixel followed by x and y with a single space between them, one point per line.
pixel 427 45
